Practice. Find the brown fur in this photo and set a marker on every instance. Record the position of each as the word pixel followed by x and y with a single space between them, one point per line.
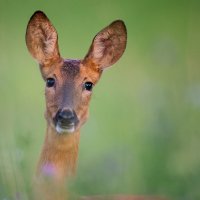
pixel 60 151
pixel 59 154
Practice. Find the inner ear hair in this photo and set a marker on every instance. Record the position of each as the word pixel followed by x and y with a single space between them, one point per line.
pixel 42 39
pixel 108 45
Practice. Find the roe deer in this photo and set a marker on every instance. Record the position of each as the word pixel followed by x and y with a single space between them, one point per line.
pixel 69 85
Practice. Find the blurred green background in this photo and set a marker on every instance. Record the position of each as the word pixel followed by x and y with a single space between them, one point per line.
pixel 143 134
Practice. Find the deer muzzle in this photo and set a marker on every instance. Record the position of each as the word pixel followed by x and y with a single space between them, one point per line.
pixel 66 121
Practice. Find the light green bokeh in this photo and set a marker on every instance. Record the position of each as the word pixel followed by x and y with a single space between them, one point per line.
pixel 143 134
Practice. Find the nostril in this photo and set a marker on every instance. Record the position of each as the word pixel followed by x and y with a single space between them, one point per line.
pixel 66 116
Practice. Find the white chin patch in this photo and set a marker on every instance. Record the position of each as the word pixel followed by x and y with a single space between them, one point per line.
pixel 61 130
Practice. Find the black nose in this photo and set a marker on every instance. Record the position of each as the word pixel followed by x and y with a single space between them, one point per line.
pixel 66 117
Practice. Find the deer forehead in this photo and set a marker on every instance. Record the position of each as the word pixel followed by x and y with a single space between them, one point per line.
pixel 74 71
pixel 70 69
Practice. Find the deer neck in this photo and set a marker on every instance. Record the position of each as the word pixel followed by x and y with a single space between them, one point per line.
pixel 59 155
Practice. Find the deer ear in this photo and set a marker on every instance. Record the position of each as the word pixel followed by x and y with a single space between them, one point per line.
pixel 42 39
pixel 108 45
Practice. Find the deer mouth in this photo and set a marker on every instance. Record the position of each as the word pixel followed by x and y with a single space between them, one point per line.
pixel 65 121
pixel 70 128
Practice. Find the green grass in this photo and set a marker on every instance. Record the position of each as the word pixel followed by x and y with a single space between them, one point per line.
pixel 143 135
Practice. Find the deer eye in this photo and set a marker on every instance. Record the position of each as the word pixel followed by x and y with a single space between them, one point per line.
pixel 88 86
pixel 50 82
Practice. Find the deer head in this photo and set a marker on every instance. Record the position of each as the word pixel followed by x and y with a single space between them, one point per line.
pixel 69 83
